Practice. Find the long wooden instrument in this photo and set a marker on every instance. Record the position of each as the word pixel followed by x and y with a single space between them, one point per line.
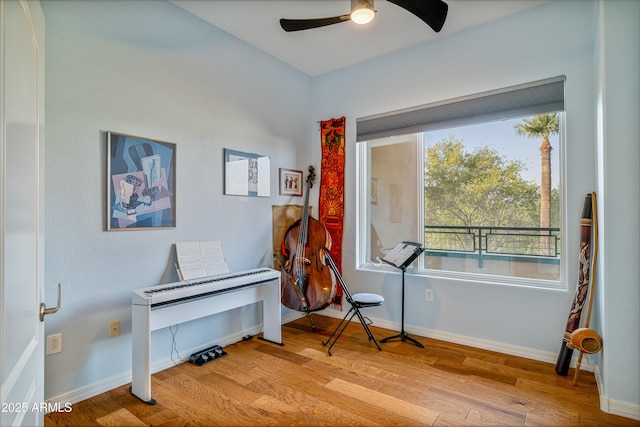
pixel 307 283
pixel 584 258
pixel 584 339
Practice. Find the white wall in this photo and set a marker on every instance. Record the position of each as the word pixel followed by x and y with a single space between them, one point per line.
pixel 551 40
pixel 523 48
pixel 618 62
pixel 150 69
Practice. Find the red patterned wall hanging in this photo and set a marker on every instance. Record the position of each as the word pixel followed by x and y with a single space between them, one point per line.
pixel 331 200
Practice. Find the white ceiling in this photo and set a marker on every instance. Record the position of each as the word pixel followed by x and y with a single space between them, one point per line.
pixel 257 23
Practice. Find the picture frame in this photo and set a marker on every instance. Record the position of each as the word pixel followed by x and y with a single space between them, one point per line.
pixel 290 182
pixel 246 174
pixel 141 183
pixel 373 196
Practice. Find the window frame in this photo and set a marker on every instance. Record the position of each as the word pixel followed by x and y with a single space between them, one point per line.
pixel 363 167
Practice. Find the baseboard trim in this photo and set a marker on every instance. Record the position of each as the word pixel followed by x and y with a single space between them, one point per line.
pixel 612 406
pixel 623 409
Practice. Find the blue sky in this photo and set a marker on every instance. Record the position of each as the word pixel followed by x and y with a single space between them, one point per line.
pixel 501 136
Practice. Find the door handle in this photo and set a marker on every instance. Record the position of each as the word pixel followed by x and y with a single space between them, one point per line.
pixel 44 310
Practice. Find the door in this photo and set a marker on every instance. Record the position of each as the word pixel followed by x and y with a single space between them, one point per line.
pixel 21 210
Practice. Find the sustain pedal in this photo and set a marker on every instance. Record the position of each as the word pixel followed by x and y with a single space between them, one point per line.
pixel 207 355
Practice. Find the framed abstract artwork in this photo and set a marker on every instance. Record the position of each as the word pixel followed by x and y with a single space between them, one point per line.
pixel 141 183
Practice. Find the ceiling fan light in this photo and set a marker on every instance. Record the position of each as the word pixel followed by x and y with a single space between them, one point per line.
pixel 362 14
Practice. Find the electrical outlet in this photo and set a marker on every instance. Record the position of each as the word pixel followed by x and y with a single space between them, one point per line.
pixel 54 344
pixel 114 328
pixel 429 295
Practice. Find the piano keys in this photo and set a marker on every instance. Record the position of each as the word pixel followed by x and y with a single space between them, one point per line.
pixel 161 306
pixel 176 293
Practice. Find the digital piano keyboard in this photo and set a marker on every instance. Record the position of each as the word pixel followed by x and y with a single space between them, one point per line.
pixel 161 306
pixel 188 290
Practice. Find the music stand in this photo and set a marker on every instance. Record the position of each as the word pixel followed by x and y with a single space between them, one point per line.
pixel 400 257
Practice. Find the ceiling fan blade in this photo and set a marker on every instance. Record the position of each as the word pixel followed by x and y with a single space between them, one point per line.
pixel 432 12
pixel 306 24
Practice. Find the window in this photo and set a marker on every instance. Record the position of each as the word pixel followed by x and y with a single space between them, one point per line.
pixel 477 181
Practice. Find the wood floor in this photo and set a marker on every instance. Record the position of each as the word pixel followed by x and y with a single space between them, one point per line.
pixel 259 383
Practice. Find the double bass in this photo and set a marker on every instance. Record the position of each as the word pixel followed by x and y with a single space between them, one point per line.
pixel 307 283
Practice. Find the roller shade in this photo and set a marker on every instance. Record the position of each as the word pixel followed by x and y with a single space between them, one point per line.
pixel 543 96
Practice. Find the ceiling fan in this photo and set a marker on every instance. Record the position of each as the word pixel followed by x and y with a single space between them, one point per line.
pixel 432 12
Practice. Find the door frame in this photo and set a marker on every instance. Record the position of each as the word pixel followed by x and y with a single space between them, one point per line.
pixel 21 331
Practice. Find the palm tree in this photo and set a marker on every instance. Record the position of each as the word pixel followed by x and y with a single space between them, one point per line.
pixel 542 126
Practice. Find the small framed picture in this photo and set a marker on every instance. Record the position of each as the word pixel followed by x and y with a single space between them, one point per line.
pixel 374 191
pixel 290 182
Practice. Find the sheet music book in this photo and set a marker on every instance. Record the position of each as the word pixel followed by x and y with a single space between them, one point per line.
pixel 200 259
pixel 403 254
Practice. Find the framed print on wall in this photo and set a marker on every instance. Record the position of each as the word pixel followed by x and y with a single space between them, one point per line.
pixel 290 182
pixel 246 174
pixel 374 191
pixel 141 182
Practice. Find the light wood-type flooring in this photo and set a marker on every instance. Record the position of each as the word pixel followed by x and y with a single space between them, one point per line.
pixel 261 384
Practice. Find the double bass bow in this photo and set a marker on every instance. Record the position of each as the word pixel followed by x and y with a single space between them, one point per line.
pixel 307 283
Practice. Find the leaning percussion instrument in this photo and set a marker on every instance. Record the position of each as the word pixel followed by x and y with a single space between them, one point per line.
pixel 586 340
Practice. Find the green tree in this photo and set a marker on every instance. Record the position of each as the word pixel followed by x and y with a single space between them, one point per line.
pixel 542 126
pixel 479 188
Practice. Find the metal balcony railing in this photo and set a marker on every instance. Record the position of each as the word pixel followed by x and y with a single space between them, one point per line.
pixel 525 242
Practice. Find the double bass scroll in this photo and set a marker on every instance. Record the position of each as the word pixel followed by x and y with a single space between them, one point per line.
pixel 307 283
